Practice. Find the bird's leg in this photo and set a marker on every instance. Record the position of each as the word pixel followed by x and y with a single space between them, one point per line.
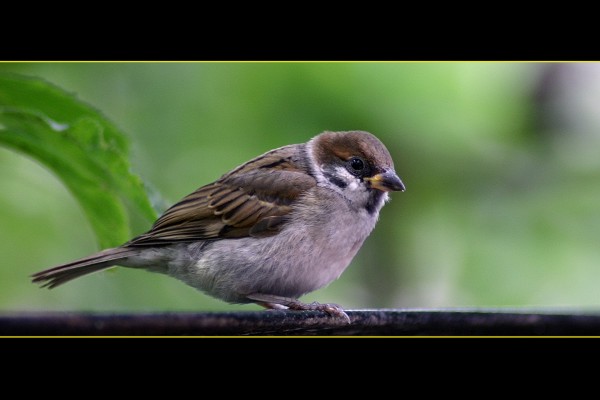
pixel 280 302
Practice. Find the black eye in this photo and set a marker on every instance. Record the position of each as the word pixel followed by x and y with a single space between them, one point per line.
pixel 356 166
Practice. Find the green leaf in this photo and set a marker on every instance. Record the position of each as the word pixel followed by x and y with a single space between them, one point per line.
pixel 81 146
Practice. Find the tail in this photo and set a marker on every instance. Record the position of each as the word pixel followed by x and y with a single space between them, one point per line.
pixel 60 274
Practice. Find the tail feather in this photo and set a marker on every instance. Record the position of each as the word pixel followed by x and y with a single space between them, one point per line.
pixel 60 274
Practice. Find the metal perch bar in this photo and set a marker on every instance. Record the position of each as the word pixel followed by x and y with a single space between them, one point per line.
pixel 379 322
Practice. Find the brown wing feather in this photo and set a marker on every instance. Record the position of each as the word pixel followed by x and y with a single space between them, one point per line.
pixel 251 200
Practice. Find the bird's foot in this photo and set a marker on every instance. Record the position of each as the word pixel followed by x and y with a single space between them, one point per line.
pixel 280 302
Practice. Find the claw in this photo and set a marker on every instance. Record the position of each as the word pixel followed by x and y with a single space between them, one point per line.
pixel 272 301
pixel 334 310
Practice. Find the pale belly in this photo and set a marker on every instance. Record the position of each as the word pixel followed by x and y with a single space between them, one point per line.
pixel 300 260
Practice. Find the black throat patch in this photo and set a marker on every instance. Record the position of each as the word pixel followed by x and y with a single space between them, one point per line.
pixel 374 201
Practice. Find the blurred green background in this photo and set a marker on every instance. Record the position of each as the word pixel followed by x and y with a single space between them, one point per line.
pixel 501 163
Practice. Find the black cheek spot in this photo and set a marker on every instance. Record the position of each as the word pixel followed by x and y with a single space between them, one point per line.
pixel 335 180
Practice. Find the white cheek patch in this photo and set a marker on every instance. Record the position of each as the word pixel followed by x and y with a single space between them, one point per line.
pixel 353 185
pixel 352 181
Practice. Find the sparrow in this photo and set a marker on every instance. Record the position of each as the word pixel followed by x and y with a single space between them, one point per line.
pixel 281 225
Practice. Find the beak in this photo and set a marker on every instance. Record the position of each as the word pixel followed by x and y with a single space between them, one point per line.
pixel 386 182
